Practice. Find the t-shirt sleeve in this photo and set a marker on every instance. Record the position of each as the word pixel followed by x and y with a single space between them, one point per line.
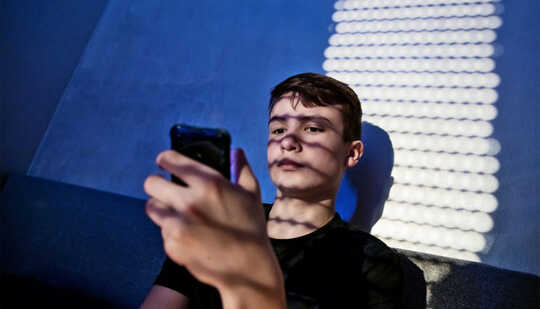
pixel 176 277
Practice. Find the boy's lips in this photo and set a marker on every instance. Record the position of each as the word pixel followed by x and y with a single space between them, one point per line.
pixel 287 163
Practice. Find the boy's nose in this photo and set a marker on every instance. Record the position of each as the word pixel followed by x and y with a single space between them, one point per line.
pixel 290 143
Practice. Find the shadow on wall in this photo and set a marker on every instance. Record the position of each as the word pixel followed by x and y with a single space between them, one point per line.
pixel 371 178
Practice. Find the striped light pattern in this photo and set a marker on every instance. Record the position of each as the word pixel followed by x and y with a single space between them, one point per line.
pixel 424 71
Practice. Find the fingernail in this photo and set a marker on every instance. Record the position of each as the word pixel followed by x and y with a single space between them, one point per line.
pixel 237 161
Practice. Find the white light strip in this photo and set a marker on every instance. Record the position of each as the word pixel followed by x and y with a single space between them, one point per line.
pixel 451 218
pixel 360 4
pixel 431 110
pixel 490 22
pixel 433 126
pixel 416 65
pixel 445 161
pixel 421 37
pixel 445 179
pixel 489 80
pixel 430 249
pixel 430 235
pixel 407 51
pixel 424 73
pixel 455 95
pixel 443 198
pixel 448 144
pixel 416 12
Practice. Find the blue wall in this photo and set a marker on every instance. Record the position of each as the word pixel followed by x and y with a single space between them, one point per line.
pixel 41 43
pixel 517 128
pixel 150 64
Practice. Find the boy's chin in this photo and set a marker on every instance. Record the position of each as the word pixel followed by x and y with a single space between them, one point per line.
pixel 299 185
pixel 290 184
pixel 304 191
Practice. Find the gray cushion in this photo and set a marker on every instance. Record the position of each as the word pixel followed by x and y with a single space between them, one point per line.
pixel 456 284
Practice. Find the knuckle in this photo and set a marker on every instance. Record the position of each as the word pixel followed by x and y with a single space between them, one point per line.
pixel 173 231
pixel 148 206
pixel 215 186
pixel 170 247
pixel 190 208
pixel 151 205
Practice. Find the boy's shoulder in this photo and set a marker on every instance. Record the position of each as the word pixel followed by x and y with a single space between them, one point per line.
pixel 354 244
pixel 364 243
pixel 349 252
pixel 382 267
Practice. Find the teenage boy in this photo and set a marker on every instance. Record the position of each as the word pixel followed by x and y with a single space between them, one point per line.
pixel 303 253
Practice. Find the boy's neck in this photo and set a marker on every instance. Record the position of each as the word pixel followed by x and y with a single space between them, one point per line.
pixel 294 217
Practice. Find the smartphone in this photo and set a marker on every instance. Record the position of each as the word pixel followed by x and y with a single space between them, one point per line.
pixel 207 145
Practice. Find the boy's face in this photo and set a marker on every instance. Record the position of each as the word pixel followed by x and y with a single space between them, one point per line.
pixel 306 152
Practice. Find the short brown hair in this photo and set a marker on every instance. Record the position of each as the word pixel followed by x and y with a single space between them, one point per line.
pixel 319 90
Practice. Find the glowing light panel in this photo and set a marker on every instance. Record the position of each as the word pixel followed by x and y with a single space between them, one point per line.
pixel 424 71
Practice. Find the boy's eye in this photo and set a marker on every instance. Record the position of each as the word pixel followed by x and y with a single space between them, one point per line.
pixel 314 129
pixel 278 131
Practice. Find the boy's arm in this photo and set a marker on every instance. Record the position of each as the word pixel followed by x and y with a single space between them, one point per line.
pixel 216 229
pixel 253 297
pixel 163 297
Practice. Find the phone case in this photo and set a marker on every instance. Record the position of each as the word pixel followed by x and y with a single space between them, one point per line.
pixel 206 145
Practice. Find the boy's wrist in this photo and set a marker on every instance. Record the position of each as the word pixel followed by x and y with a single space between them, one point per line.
pixel 253 296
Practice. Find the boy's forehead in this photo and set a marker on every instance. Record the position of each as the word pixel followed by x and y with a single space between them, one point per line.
pixel 292 106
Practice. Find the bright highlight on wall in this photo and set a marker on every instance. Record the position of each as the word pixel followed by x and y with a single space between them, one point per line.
pixel 423 70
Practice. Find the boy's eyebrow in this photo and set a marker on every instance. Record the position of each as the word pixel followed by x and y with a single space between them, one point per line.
pixel 277 118
pixel 302 119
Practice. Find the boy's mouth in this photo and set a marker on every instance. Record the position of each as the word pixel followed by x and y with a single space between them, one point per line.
pixel 289 164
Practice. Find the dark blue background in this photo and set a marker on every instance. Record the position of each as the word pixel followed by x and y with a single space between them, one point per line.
pixel 91 88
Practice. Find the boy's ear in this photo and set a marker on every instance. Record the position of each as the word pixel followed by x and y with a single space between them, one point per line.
pixel 355 153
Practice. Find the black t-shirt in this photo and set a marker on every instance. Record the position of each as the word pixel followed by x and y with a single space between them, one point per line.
pixel 335 266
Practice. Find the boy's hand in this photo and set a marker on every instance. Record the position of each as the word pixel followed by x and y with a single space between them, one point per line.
pixel 213 227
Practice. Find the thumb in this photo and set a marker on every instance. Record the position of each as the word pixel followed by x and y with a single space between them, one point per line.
pixel 241 173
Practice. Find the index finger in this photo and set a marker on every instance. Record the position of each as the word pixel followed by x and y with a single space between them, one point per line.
pixel 190 171
pixel 170 194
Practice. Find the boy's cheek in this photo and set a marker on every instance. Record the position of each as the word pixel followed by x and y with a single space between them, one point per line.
pixel 272 154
